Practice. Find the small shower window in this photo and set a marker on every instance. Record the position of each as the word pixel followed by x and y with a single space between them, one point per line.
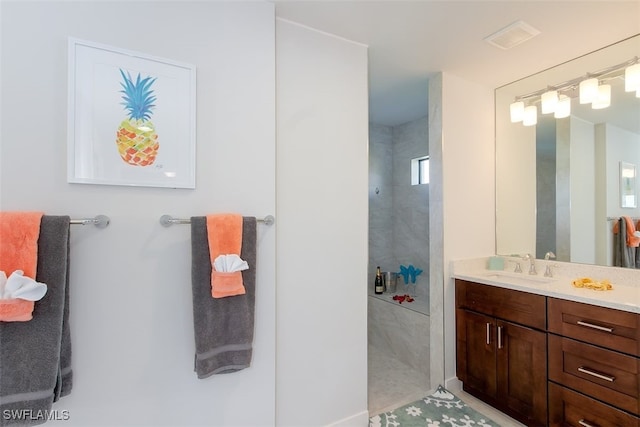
pixel 420 170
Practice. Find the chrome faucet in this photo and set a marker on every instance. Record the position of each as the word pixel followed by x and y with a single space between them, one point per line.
pixel 532 263
pixel 547 271
pixel 517 269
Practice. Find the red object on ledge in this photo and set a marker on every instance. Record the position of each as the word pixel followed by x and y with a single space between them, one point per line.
pixel 403 298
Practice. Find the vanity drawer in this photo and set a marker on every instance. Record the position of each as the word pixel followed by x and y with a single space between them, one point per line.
pixel 518 307
pixel 568 408
pixel 606 375
pixel 606 327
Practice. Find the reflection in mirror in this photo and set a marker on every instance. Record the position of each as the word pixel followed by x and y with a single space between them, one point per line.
pixel 559 185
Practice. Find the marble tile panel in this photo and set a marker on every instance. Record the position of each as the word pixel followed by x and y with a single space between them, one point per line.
pixel 436 243
pixel 392 383
pixel 400 333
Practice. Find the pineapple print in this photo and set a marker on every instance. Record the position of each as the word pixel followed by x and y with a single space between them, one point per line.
pixel 136 138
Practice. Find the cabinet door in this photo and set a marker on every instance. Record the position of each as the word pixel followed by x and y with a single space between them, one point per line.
pixel 476 351
pixel 522 371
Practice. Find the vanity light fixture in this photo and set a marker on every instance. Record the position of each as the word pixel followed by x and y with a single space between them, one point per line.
pixel 564 107
pixel 549 101
pixel 530 117
pixel 516 110
pixel 603 100
pixel 594 89
pixel 632 78
pixel 588 90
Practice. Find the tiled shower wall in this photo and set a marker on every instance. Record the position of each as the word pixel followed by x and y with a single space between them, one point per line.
pixel 399 234
pixel 398 211
pixel 380 200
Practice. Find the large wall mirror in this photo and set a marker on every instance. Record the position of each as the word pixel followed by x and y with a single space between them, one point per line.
pixel 562 183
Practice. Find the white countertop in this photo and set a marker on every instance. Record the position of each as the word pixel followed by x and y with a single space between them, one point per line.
pixel 623 296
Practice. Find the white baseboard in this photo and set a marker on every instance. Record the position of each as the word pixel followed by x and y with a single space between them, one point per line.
pixel 358 420
pixel 453 384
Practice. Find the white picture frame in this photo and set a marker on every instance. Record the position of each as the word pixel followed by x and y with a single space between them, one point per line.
pixel 131 118
pixel 628 195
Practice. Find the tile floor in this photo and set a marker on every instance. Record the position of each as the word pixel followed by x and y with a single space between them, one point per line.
pixel 393 384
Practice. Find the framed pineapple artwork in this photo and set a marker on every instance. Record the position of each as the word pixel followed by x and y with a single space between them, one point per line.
pixel 131 118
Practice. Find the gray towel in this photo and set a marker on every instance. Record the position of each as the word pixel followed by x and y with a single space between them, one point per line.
pixel 35 356
pixel 623 255
pixel 223 326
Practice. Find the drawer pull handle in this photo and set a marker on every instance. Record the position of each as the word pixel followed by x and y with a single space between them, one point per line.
pixel 488 333
pixel 499 336
pixel 583 423
pixel 592 326
pixel 596 374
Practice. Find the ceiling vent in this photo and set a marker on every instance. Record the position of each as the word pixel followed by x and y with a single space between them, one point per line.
pixel 513 35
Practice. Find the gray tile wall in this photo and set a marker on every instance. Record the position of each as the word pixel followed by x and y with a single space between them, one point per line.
pixel 410 216
pixel 399 234
pixel 398 211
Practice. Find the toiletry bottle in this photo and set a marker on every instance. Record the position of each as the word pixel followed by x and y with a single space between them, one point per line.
pixel 379 286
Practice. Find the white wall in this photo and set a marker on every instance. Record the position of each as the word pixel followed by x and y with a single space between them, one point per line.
pixel 322 125
pixel 516 179
pixel 613 145
pixel 621 145
pixel 131 318
pixel 468 201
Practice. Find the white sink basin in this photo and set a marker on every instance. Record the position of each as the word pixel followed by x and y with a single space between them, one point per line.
pixel 503 276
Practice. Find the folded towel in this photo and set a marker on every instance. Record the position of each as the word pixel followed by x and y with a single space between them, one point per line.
pixel 35 356
pixel 409 272
pixel 224 233
pixel 19 233
pixel 16 310
pixel 223 326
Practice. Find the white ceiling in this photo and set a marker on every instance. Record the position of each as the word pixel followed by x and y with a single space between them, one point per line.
pixel 411 40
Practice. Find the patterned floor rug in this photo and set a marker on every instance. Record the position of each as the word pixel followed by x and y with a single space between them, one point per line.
pixel 440 409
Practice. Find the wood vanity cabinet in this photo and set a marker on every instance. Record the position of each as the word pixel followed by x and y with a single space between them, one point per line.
pixel 548 361
pixel 594 365
pixel 502 349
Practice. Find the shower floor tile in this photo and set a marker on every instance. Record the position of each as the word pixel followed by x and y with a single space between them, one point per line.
pixel 393 383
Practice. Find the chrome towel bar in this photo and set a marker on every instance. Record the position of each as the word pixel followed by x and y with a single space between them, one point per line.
pixel 168 220
pixel 100 221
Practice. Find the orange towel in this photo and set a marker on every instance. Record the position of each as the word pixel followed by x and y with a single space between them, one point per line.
pixel 632 240
pixel 19 233
pixel 16 310
pixel 224 232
